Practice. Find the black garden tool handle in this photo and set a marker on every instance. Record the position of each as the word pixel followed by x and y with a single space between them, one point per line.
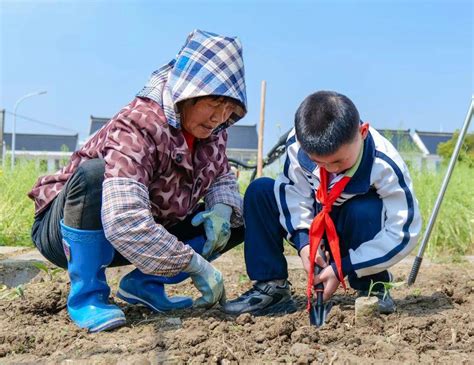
pixel 317 309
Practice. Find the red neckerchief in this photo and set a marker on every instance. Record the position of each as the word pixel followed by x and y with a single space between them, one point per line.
pixel 323 223
pixel 190 139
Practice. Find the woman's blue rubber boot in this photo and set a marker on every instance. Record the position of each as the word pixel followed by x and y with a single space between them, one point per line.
pixel 139 288
pixel 88 254
pixel 149 290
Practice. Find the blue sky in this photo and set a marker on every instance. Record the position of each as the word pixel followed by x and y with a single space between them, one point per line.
pixel 405 64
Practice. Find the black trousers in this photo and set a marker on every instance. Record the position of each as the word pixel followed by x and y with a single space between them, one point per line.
pixel 79 204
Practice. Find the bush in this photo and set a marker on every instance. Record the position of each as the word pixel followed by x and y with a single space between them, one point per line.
pixel 466 153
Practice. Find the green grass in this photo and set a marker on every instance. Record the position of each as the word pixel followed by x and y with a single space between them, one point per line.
pixel 16 209
pixel 453 232
pixel 452 236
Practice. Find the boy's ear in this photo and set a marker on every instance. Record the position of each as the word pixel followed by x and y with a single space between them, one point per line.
pixel 364 129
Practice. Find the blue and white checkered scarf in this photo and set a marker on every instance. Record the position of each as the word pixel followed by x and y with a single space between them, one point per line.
pixel 208 64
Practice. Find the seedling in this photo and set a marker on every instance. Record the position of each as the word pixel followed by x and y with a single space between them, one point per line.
pixel 387 285
pixel 19 291
pixel 51 273
pixel 367 307
pixel 10 294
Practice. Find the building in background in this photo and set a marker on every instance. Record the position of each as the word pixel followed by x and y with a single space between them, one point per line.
pixel 419 149
pixel 428 143
pixel 403 141
pixel 242 142
pixel 96 124
pixel 50 151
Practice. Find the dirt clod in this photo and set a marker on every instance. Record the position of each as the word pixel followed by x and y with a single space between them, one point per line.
pixel 244 318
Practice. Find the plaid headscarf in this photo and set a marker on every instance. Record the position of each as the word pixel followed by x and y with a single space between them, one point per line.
pixel 208 64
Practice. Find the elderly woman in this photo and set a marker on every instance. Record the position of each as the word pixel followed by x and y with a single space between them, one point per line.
pixel 132 193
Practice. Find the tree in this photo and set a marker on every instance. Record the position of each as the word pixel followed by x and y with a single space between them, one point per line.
pixel 466 154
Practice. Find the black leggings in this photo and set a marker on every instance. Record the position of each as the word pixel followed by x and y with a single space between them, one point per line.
pixel 79 204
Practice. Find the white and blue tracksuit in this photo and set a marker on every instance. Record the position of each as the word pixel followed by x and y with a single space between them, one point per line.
pixel 376 217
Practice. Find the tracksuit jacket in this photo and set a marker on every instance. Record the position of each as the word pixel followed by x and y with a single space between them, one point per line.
pixel 381 169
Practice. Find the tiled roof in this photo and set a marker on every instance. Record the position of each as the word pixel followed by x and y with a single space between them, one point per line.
pixel 431 140
pixel 42 142
pixel 242 137
pixel 96 124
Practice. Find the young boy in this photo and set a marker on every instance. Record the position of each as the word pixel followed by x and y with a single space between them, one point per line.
pixel 342 181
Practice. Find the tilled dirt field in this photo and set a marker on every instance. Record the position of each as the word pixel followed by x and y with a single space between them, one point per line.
pixel 434 324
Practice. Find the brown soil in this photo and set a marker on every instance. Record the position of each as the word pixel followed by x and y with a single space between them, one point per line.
pixel 434 324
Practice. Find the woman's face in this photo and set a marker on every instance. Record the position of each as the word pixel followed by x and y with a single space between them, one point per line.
pixel 201 117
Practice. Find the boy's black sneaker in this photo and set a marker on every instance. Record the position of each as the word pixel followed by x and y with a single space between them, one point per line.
pixel 386 303
pixel 264 298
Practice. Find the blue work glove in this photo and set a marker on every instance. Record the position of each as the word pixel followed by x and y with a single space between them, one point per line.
pixel 207 280
pixel 217 227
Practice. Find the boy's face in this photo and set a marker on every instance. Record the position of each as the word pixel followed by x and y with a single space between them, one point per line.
pixel 346 156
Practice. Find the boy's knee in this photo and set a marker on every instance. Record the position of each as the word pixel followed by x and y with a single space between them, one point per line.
pixel 361 211
pixel 257 187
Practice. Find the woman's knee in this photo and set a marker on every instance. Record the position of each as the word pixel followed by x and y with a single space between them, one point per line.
pixel 87 179
pixel 83 197
pixel 91 172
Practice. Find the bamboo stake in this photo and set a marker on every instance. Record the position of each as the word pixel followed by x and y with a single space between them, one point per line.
pixel 261 129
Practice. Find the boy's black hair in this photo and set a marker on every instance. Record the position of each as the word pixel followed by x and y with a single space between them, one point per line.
pixel 325 121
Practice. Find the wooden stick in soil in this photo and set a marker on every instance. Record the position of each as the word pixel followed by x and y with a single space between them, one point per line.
pixel 261 129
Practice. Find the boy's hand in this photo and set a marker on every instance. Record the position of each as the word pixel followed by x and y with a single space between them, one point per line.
pixel 330 281
pixel 304 255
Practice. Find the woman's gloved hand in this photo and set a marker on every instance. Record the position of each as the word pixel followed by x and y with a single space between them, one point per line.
pixel 207 280
pixel 217 227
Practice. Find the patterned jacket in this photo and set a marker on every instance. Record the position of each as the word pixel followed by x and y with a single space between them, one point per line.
pixel 139 144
